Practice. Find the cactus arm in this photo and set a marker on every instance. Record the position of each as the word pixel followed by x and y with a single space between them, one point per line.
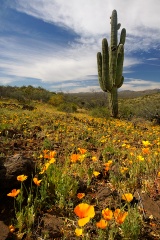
pixel 120 59
pixel 121 83
pixel 123 36
pixel 113 47
pixel 105 63
pixel 99 64
pixel 114 29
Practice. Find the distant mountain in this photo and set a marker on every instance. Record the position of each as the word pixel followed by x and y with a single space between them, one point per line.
pixel 121 94
pixel 134 94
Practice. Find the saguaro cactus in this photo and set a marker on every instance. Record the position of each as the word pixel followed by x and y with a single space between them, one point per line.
pixel 110 64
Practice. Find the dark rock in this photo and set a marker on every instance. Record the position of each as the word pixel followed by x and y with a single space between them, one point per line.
pixel 53 226
pixel 11 167
pixel 4 231
pixel 28 107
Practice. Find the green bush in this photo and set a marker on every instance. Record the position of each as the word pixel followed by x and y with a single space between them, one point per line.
pixel 56 99
pixel 67 107
pixel 126 111
pixel 100 112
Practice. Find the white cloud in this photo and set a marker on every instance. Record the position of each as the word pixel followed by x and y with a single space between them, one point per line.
pixel 139 84
pixel 91 16
pixel 152 59
pixel 55 65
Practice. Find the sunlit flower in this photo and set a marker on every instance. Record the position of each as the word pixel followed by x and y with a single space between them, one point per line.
pixel 146 150
pixel 78 232
pixel 52 154
pixel 140 158
pixel 82 157
pixel 94 159
pixel 80 195
pixel 21 178
pixel 146 143
pixel 107 165
pixel 45 152
pixel 158 175
pixel 75 157
pixel 14 193
pixel 120 216
pixel 84 210
pixel 11 228
pixel 127 197
pixel 123 169
pixel 82 150
pixel 52 160
pixel 95 173
pixel 83 221
pixel 49 154
pixel 107 214
pixel 124 144
pixel 102 224
pixel 36 181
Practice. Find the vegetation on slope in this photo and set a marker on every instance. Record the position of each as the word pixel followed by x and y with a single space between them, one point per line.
pixel 93 174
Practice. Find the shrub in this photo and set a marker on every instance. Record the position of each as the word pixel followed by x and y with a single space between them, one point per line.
pixel 67 107
pixel 100 112
pixel 56 99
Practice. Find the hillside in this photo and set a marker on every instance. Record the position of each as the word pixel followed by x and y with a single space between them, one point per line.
pixel 94 176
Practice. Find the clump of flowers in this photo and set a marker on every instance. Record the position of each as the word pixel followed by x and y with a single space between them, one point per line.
pixel 108 165
pixel 120 216
pixel 50 156
pixel 75 157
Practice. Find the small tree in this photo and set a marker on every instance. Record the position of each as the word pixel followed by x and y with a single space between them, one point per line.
pixel 57 99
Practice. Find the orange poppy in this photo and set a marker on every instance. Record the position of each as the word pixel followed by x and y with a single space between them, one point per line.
pixel 107 165
pixel 128 197
pixel 84 210
pixel 107 214
pixel 14 193
pixel 80 195
pixel 21 178
pixel 82 150
pixel 145 150
pixel 36 181
pixel 48 154
pixel 11 228
pixel 102 224
pixel 75 157
pixel 120 216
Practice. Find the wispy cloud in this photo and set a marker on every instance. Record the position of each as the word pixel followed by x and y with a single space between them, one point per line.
pixel 139 84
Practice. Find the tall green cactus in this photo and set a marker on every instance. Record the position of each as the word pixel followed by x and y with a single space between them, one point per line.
pixel 110 64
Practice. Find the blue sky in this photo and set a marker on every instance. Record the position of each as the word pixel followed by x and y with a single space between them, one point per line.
pixel 54 43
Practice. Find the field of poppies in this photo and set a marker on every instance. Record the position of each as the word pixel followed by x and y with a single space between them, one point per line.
pixel 95 178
